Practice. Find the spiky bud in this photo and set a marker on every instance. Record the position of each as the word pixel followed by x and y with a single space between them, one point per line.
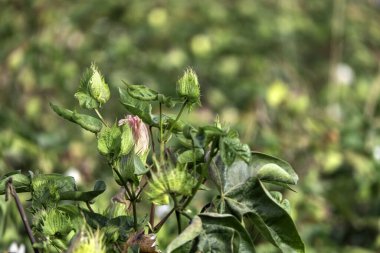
pixel 188 87
pixel 99 90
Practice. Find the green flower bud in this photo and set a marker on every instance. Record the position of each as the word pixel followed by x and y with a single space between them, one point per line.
pixel 89 241
pixel 188 87
pixel 162 185
pixel 99 90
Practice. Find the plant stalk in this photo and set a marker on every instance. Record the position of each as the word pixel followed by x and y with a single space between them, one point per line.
pixel 159 225
pixel 22 212
pixel 202 178
pixel 177 215
pixel 162 143
pixel 178 115
pixel 100 117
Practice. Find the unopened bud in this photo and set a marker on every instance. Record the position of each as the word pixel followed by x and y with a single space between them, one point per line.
pixel 140 134
pixel 98 87
pixel 188 87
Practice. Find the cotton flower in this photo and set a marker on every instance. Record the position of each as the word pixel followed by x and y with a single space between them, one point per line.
pixel 140 133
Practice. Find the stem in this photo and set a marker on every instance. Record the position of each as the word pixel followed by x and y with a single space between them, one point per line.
pixel 89 207
pixel 202 178
pixel 186 215
pixel 100 117
pixel 177 215
pixel 159 225
pixel 162 144
pixel 129 194
pixel 151 137
pixel 178 115
pixel 134 215
pixel 22 212
pixel 151 215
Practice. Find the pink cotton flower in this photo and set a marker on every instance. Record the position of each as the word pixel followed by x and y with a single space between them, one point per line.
pixel 140 133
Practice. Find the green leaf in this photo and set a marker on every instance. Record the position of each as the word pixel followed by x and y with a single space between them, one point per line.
pixel 254 203
pixel 64 113
pixel 141 92
pixel 98 88
pixel 99 188
pixel 95 220
pixel 126 169
pixel 188 155
pixel 137 107
pixel 211 222
pixel 46 188
pixel 230 148
pixel 140 168
pixel 109 140
pixel 189 234
pixel 266 170
pixel 271 172
pixel 86 101
pixel 20 182
pixel 168 101
pixel 88 122
pixel 130 166
pixel 226 177
pixel 85 121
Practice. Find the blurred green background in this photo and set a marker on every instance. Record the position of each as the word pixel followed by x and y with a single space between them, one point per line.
pixel 299 79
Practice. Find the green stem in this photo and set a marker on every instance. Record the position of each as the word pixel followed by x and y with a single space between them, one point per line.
pixel 202 178
pixel 159 225
pixel 162 144
pixel 123 183
pixel 100 117
pixel 134 215
pixel 178 115
pixel 131 195
pixel 186 215
pixel 177 215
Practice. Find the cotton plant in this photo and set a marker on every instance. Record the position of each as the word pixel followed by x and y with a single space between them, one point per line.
pixel 163 161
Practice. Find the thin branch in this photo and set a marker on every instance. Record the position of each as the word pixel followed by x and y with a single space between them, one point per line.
pixel 159 225
pixel 89 207
pixel 21 210
pixel 101 118
pixel 178 115
pixel 151 138
pixel 151 215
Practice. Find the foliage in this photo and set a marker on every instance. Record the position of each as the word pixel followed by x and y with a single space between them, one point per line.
pixel 174 174
pixel 298 79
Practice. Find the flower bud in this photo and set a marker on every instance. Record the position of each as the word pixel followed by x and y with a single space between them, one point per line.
pixel 140 135
pixel 89 241
pixel 98 87
pixel 188 87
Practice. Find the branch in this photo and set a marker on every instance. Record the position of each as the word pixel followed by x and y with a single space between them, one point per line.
pixel 21 210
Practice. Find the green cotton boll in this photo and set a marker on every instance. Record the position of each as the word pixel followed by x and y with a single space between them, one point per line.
pixel 188 87
pixel 98 88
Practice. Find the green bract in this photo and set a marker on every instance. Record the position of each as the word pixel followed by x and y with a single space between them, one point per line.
pixel 188 87
pixel 93 90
